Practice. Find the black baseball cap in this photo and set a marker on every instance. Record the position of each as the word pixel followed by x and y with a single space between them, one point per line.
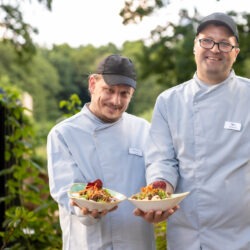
pixel 117 69
pixel 219 18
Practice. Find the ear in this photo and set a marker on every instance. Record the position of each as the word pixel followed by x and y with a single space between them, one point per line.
pixel 195 42
pixel 237 51
pixel 92 82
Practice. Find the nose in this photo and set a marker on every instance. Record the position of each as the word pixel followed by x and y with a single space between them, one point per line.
pixel 215 48
pixel 116 99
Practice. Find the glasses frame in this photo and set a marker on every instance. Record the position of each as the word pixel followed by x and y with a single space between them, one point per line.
pixel 215 43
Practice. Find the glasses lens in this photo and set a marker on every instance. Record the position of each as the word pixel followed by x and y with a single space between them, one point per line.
pixel 225 47
pixel 209 44
pixel 206 43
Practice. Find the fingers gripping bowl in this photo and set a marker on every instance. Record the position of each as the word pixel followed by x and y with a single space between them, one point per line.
pixel 92 196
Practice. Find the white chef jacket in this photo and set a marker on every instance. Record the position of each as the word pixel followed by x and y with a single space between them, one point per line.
pixel 82 149
pixel 200 142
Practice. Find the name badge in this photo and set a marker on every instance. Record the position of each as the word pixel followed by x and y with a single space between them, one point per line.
pixel 135 151
pixel 232 125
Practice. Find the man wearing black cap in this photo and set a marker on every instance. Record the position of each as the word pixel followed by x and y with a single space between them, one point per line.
pixel 200 142
pixel 102 142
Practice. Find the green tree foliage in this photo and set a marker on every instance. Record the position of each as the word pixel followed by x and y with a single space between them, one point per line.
pixel 71 106
pixel 60 56
pixel 15 29
pixel 242 65
pixel 169 56
pixel 31 219
pixel 38 77
pixel 134 11
pixel 44 86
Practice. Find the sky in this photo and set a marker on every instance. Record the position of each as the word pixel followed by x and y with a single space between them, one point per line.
pixel 97 22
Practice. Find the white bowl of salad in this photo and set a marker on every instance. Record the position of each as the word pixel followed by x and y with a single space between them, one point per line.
pixel 93 195
pixel 151 198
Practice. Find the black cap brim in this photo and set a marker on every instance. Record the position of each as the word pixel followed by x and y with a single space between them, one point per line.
pixel 119 79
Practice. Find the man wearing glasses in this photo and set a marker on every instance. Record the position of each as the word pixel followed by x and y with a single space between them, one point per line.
pixel 200 142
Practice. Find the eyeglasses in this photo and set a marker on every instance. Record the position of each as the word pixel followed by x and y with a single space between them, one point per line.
pixel 207 43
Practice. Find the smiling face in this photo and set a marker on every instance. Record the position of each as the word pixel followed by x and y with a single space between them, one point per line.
pixel 108 102
pixel 213 66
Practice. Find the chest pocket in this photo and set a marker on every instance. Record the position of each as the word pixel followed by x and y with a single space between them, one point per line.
pixel 135 151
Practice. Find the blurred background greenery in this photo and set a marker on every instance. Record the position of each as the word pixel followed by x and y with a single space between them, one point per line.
pixel 54 81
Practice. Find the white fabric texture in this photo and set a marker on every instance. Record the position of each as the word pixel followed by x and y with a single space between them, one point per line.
pixel 82 149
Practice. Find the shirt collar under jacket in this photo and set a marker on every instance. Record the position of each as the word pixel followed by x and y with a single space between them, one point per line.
pixel 97 120
pixel 204 86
